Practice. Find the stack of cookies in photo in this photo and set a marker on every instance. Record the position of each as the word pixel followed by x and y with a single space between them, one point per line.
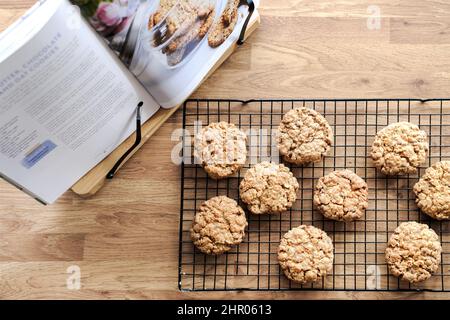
pixel 305 253
pixel 179 26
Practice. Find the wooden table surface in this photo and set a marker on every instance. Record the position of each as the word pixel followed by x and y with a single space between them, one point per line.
pixel 125 239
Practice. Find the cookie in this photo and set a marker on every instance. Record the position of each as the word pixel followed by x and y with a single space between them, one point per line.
pixel 194 28
pixel 399 149
pixel 305 254
pixel 304 136
pixel 341 195
pixel 164 7
pixel 218 225
pixel 413 252
pixel 225 25
pixel 268 188
pixel 433 191
pixel 180 18
pixel 221 149
pixel 177 48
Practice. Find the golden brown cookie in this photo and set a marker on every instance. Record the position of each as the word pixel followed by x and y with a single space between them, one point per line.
pixel 341 195
pixel 181 19
pixel 218 225
pixel 224 27
pixel 399 149
pixel 196 32
pixel 433 191
pixel 268 188
pixel 221 149
pixel 164 7
pixel 413 252
pixel 305 254
pixel 176 50
pixel 304 136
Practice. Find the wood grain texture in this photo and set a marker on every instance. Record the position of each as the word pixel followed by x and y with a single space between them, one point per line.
pixel 125 239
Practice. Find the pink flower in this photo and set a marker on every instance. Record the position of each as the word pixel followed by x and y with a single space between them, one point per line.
pixel 112 17
pixel 110 14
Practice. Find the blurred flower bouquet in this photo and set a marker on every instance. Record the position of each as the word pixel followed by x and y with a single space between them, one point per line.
pixel 108 17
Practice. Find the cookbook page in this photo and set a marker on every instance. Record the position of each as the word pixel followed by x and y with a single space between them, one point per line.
pixel 66 101
pixel 169 45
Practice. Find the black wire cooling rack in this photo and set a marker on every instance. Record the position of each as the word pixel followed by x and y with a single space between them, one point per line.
pixel 358 246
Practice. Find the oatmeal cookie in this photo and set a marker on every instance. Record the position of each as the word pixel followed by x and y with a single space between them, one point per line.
pixel 221 149
pixel 268 188
pixel 400 148
pixel 197 31
pixel 305 254
pixel 433 191
pixel 218 225
pixel 413 252
pixel 223 28
pixel 163 10
pixel 304 136
pixel 180 17
pixel 176 50
pixel 341 195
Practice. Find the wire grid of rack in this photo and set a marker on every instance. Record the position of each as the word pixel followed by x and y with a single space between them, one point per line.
pixel 358 246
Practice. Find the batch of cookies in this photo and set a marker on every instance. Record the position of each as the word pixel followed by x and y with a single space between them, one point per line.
pixel 305 253
pixel 179 26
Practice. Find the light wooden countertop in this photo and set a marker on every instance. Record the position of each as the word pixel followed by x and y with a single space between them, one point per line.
pixel 125 239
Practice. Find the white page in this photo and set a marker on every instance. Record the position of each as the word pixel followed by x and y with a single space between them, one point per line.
pixel 66 101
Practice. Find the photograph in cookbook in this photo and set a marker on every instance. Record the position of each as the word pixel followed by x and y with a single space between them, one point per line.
pixel 169 45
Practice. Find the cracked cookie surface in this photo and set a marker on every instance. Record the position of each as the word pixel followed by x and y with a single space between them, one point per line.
pixel 399 149
pixel 433 191
pixel 304 136
pixel 413 252
pixel 218 225
pixel 268 188
pixel 305 254
pixel 341 195
pixel 221 149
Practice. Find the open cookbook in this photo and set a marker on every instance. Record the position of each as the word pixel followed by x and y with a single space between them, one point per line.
pixel 73 72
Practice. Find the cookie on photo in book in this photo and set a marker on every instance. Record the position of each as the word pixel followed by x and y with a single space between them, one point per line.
pixel 224 26
pixel 218 225
pixel 221 148
pixel 305 254
pixel 304 136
